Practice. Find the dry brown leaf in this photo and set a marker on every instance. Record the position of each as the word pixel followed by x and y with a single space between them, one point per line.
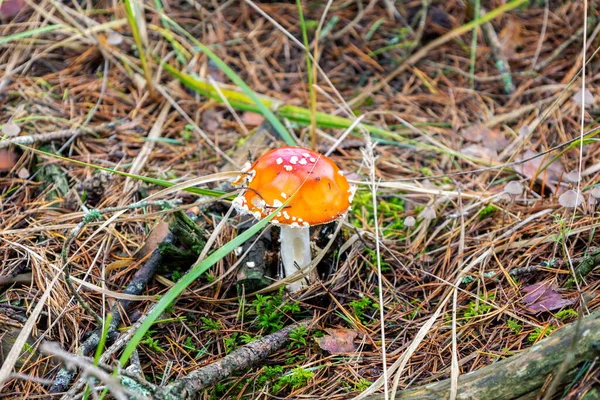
pixel 160 231
pixel 490 138
pixel 510 38
pixel 211 120
pixel 531 169
pixel 481 152
pixel 338 341
pixel 10 8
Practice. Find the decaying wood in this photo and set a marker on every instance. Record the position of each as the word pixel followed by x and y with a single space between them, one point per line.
pixel 522 375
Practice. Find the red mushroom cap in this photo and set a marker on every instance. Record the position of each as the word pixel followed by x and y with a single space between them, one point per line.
pixel 324 193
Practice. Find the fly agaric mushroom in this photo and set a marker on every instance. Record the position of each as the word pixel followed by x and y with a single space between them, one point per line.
pixel 317 191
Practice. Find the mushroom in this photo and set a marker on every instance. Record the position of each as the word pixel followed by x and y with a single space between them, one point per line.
pixel 316 192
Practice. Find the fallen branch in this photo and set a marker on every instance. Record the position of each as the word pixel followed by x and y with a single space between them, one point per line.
pixel 523 374
pixel 239 359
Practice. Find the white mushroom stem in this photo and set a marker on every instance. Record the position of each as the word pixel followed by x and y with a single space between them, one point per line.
pixel 295 253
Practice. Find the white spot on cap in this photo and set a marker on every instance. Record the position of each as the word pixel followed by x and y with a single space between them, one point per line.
pixel 279 160
pixel 340 172
pixel 251 175
pixel 288 167
pixel 286 215
pixel 306 155
pixel 239 202
pixel 312 159
pixel 283 195
pixel 293 160
pixel 305 224
pixel 275 221
pixel 277 203
pixel 295 225
pixel 352 191
pixel 300 220
pixel 302 161
pixel 247 166
pixel 294 218
pixel 257 214
pixel 258 202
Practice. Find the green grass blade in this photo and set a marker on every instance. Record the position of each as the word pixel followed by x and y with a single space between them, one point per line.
pixel 133 13
pixel 32 32
pixel 301 115
pixel 187 280
pixel 239 82
pixel 154 181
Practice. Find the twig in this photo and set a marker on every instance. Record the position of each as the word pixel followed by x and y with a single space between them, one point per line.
pixel 242 358
pixel 47 137
pixel 501 61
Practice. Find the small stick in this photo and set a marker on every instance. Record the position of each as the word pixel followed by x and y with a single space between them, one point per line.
pixel 48 137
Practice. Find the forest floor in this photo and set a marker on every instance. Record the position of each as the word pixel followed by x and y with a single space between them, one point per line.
pixel 476 242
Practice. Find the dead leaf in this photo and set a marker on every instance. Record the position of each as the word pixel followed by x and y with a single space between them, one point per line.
pixel 160 231
pixel 338 341
pixel 541 297
pixel 481 152
pixel 585 98
pixel 252 119
pixel 10 8
pixel 211 120
pixel 510 38
pixel 490 138
pixel 8 159
pixel 530 169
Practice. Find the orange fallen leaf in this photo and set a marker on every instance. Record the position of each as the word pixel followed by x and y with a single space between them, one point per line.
pixel 338 341
pixel 8 159
pixel 252 119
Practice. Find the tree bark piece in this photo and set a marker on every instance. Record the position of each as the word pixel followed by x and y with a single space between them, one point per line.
pixel 521 375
